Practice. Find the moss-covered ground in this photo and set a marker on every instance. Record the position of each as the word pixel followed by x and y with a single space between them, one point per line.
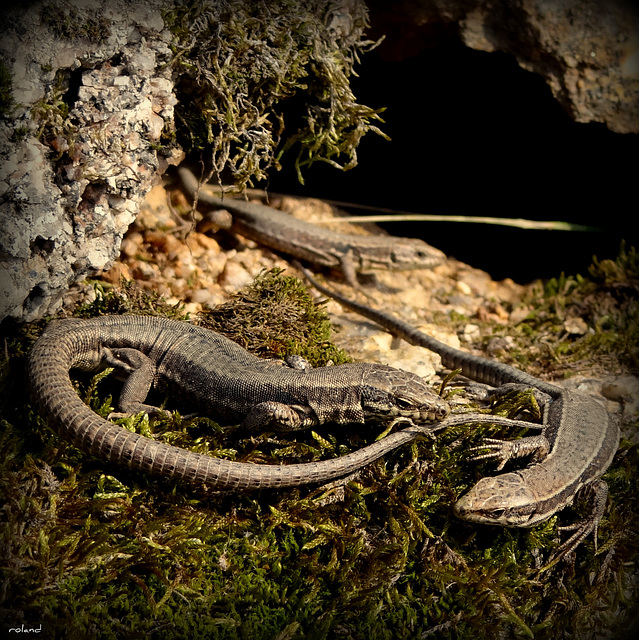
pixel 89 550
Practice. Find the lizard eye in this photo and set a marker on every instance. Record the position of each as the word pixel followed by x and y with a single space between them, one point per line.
pixel 404 404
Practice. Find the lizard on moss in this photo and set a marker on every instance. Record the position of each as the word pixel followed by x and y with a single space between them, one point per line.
pixel 223 380
pixel 577 444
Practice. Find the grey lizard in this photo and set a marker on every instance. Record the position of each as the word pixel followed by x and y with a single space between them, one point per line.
pixel 577 445
pixel 223 380
pixel 350 253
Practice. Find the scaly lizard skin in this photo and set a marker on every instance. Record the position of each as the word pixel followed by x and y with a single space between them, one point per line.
pixel 578 442
pixel 223 380
pixel 350 253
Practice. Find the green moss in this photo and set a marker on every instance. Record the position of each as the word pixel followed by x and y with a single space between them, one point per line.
pixel 128 298
pixel 275 316
pixel 254 81
pixel 586 324
pixel 607 302
pixel 52 117
pixel 19 134
pixel 240 64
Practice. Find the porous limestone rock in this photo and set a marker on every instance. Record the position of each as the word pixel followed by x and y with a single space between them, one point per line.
pixel 65 205
pixel 586 50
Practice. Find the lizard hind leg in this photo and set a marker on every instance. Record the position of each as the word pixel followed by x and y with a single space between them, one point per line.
pixel 590 524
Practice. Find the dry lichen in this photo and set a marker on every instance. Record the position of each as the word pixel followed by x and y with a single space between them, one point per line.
pixel 241 63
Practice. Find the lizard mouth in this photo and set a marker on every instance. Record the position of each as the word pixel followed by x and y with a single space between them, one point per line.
pixel 425 415
pixel 433 415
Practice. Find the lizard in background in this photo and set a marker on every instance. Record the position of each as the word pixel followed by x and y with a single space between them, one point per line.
pixel 350 253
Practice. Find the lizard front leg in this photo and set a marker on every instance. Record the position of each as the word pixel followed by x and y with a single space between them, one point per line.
pixel 505 450
pixel 279 416
pixel 140 372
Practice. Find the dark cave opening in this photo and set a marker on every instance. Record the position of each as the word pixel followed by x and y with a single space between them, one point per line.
pixel 475 134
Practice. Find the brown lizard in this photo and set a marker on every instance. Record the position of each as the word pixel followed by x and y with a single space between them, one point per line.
pixel 577 444
pixel 351 253
pixel 223 380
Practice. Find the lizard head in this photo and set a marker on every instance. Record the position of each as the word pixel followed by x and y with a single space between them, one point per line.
pixel 403 253
pixel 389 393
pixel 504 500
pixel 413 253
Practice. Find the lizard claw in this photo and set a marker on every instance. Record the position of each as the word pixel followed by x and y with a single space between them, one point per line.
pixel 505 450
pixel 586 526
pixel 502 450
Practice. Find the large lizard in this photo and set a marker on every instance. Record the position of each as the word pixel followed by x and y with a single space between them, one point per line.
pixel 578 441
pixel 223 380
